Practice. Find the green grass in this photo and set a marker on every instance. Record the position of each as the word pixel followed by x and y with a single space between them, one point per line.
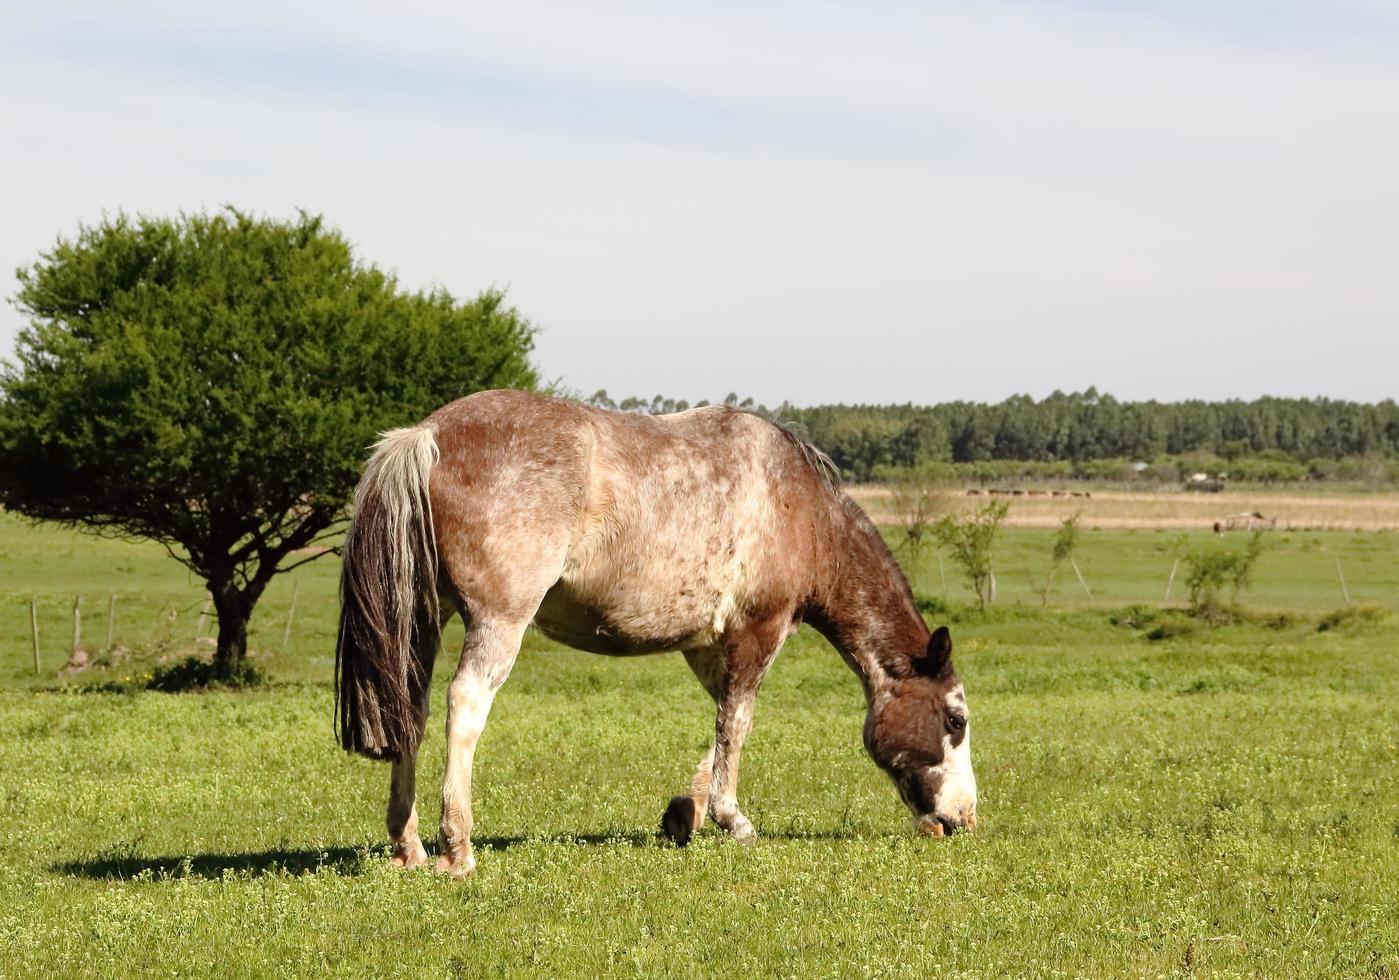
pixel 1297 571
pixel 1223 802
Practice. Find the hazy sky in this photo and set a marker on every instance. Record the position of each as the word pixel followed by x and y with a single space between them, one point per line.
pixel 816 202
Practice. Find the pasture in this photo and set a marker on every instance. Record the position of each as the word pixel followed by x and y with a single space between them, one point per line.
pixel 1221 801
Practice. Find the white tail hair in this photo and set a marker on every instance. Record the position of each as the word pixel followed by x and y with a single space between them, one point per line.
pixel 389 614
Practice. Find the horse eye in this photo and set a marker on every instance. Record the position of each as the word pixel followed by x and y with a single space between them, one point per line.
pixel 957 722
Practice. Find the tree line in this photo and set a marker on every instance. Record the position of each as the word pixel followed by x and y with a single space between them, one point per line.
pixel 1266 438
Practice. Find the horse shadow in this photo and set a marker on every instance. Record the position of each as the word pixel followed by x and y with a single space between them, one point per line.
pixel 341 861
pixel 349 862
pixel 651 838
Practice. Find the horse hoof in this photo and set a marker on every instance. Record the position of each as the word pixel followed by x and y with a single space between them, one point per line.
pixel 678 823
pixel 457 869
pixel 409 858
pixel 744 833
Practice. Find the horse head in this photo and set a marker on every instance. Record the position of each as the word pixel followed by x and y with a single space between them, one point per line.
pixel 918 730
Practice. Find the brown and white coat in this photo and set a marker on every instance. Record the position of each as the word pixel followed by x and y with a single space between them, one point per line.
pixel 713 532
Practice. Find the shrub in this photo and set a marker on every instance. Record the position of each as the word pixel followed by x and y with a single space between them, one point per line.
pixel 194 674
pixel 1351 616
pixel 919 495
pixel 1213 568
pixel 1065 541
pixel 969 539
pixel 1134 617
pixel 1173 628
pixel 1267 469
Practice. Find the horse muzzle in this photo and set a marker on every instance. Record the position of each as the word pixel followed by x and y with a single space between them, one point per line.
pixel 944 825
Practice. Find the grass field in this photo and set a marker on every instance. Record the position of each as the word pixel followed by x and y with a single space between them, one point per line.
pixel 1224 802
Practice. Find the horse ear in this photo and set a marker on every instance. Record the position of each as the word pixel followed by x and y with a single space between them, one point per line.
pixel 939 652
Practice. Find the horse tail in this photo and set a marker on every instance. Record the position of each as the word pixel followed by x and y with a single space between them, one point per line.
pixel 389 615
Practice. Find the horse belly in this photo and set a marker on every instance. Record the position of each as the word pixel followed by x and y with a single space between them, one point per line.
pixel 628 618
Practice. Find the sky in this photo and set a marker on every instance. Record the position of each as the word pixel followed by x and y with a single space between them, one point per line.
pixel 808 202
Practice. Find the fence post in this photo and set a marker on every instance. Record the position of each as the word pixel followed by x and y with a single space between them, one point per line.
pixel 203 618
pixel 111 619
pixel 77 656
pixel 291 611
pixel 1074 565
pixel 34 630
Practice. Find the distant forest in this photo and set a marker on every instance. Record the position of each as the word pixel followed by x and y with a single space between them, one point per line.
pixel 1087 434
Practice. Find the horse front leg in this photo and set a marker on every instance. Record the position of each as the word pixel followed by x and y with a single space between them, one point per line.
pixel 685 814
pixel 733 722
pixel 487 658
pixel 747 657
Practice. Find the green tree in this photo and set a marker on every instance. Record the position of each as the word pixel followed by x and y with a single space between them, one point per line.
pixel 969 539
pixel 1065 541
pixel 211 382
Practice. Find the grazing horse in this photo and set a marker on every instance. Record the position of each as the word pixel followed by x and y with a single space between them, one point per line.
pixel 712 532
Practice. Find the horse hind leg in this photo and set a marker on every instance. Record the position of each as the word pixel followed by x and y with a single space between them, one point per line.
pixel 402 817
pixel 685 814
pixel 407 846
pixel 487 658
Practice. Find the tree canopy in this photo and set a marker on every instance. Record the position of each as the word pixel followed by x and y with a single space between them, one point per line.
pixel 211 381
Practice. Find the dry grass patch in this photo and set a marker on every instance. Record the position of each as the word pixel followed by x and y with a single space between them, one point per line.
pixel 1174 508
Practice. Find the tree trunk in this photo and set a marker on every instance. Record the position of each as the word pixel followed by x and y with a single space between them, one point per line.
pixel 234 609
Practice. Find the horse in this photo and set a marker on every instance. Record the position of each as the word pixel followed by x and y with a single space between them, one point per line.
pixel 713 532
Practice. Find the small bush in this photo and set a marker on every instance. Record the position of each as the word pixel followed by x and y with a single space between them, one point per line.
pixel 1351 616
pixel 1134 617
pixel 1277 621
pixel 1173 628
pixel 919 496
pixel 1065 541
pixel 1216 613
pixel 1214 567
pixel 194 674
pixel 969 539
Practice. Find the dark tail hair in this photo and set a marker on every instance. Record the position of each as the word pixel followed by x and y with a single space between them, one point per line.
pixel 389 616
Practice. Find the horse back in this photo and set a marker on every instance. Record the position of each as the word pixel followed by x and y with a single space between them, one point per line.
pixel 628 533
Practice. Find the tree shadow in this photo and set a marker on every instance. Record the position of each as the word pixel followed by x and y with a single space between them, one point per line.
pixel 343 861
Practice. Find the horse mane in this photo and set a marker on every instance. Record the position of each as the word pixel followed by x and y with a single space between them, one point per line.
pixel 881 547
pixel 819 463
pixel 829 475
